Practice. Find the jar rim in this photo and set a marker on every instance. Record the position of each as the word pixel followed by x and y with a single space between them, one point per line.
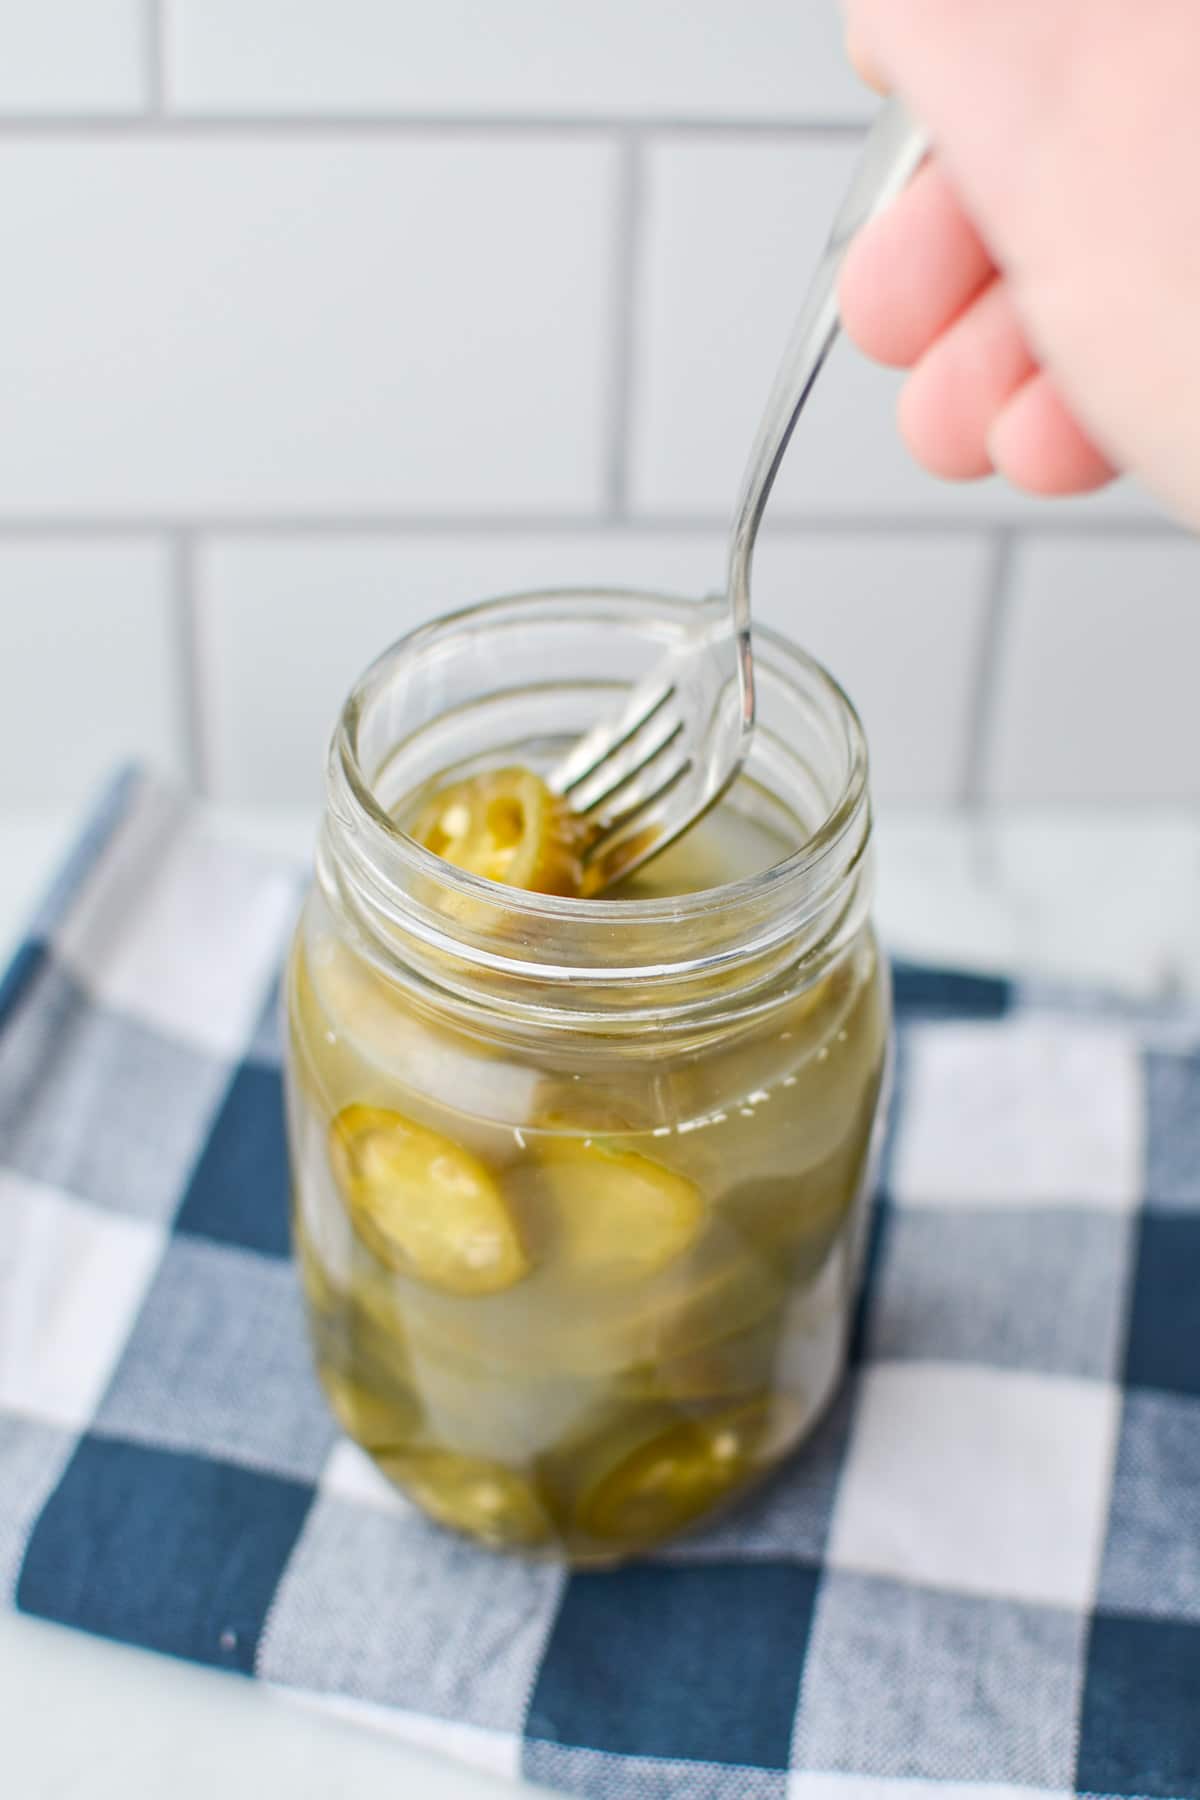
pixel 348 778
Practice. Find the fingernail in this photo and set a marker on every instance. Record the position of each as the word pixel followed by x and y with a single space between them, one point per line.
pixel 863 62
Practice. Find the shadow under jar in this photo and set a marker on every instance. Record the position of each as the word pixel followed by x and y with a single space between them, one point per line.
pixel 580 1185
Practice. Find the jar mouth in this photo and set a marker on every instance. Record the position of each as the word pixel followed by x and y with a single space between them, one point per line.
pixel 657 620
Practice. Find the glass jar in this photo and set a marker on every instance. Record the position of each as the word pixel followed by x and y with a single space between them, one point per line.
pixel 579 1185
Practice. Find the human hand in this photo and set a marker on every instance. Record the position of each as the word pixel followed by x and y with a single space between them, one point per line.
pixel 1041 276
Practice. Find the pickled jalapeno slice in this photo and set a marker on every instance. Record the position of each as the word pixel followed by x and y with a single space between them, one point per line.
pixel 506 824
pixel 472 1494
pixel 739 1364
pixel 377 1421
pixel 671 1480
pixel 320 1292
pixel 423 1205
pixel 614 1215
pixel 730 1290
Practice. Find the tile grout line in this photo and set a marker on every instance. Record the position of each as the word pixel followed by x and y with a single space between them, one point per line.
pixel 182 123
pixel 625 275
pixel 154 36
pixel 189 670
pixel 985 683
pixel 514 523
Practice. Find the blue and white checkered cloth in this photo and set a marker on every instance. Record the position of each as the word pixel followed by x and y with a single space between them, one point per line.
pixel 984 1574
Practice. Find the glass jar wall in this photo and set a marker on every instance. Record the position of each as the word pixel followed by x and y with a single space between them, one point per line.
pixel 579 1185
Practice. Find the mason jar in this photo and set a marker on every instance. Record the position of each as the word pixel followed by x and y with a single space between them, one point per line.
pixel 579 1185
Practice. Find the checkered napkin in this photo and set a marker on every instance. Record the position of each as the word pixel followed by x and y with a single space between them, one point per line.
pixel 985 1571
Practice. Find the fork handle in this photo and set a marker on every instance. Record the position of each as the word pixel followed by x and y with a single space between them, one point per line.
pixel 893 152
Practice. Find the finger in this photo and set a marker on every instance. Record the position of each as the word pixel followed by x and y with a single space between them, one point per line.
pixel 910 273
pixel 951 400
pixel 1037 444
pixel 963 64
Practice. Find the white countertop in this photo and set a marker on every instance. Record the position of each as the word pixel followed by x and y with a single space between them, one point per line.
pixel 1112 898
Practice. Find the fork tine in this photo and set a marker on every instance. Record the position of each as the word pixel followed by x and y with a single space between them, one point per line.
pixel 643 796
pixel 628 838
pixel 624 766
pixel 610 735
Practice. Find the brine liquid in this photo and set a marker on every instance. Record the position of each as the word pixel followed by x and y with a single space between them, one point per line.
pixel 572 1303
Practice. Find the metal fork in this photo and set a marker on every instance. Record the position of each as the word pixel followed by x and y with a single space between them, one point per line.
pixel 641 778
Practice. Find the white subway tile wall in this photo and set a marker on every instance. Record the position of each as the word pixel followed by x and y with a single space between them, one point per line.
pixel 627 59
pixel 321 316
pixel 344 601
pixel 236 325
pixel 88 670
pixel 63 54
pixel 1097 673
